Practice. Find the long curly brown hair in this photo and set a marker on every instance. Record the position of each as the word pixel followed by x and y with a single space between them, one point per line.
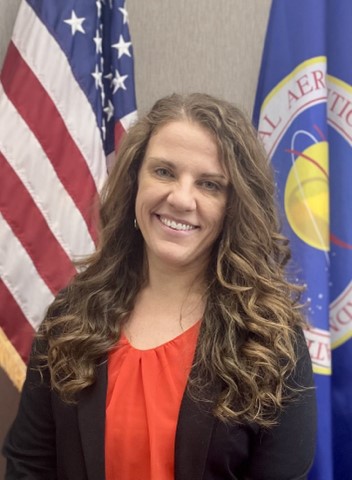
pixel 246 346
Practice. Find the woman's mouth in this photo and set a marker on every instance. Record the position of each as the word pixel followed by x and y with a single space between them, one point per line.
pixel 179 226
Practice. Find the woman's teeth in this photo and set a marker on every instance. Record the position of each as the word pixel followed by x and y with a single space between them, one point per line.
pixel 176 226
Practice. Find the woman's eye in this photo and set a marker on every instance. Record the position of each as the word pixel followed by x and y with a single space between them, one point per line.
pixel 211 186
pixel 162 172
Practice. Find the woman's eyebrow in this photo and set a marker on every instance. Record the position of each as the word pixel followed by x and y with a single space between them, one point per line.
pixel 218 176
pixel 163 161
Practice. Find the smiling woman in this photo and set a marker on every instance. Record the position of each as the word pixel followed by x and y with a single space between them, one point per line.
pixel 177 352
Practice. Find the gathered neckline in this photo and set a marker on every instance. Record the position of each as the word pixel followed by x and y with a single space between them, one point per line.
pixel 124 340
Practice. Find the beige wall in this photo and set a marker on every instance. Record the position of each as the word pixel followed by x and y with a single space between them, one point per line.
pixel 213 46
pixel 205 45
pixel 8 9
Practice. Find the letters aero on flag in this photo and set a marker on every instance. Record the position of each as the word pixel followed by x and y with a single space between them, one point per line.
pixel 303 111
pixel 66 96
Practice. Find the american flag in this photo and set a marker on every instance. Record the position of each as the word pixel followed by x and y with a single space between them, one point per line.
pixel 66 97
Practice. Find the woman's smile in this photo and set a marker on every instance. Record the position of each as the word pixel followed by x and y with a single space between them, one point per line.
pixel 180 226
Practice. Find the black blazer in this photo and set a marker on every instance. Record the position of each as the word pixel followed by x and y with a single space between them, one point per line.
pixel 52 440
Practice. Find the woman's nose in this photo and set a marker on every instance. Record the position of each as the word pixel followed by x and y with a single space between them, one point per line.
pixel 182 196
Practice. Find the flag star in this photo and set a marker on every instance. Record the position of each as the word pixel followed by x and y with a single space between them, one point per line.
pixel 97 77
pixel 118 81
pixel 75 23
pixel 102 96
pixel 125 14
pixel 98 42
pixel 122 47
pixel 109 110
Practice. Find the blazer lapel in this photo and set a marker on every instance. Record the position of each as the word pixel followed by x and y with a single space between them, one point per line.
pixel 91 420
pixel 193 434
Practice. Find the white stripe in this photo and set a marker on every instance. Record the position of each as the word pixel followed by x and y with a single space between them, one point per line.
pixel 128 120
pixel 26 156
pixel 50 65
pixel 21 277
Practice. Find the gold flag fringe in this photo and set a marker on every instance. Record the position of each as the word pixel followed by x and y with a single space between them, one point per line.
pixel 11 362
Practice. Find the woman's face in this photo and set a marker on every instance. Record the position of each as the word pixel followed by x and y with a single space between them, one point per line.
pixel 182 195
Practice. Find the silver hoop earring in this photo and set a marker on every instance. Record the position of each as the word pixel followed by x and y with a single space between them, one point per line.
pixel 135 224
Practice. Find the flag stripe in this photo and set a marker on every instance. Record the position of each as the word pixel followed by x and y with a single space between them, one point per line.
pixel 128 120
pixel 11 362
pixel 119 131
pixel 48 62
pixel 57 145
pixel 123 125
pixel 21 277
pixel 66 223
pixel 29 225
pixel 14 323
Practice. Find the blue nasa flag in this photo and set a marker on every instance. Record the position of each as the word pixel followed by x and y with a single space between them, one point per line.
pixel 303 111
pixel 339 82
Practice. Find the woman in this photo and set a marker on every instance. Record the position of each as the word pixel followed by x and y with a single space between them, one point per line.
pixel 177 352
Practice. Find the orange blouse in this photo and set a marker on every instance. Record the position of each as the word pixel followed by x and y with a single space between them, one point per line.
pixel 145 389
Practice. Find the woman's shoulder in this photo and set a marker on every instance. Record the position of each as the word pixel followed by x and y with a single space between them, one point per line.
pixel 302 374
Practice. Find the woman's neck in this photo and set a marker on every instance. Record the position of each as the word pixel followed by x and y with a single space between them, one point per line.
pixel 177 284
pixel 170 302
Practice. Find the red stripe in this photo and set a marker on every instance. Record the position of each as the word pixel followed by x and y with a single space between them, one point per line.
pixel 31 228
pixel 15 325
pixel 119 132
pixel 40 113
